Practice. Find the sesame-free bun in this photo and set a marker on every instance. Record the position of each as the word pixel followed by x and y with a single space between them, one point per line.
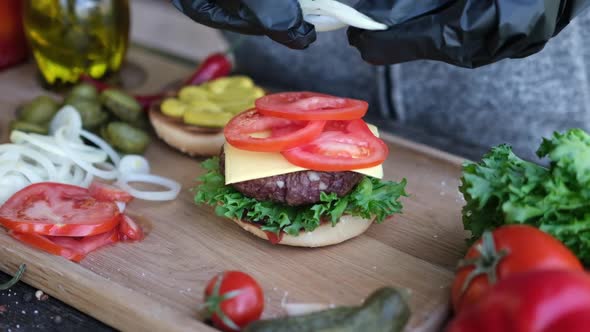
pixel 192 140
pixel 347 228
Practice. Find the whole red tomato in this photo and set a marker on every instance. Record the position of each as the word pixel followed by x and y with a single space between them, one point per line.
pixel 506 251
pixel 534 301
pixel 234 299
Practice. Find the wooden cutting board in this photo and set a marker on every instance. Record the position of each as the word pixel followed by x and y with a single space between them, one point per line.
pixel 157 284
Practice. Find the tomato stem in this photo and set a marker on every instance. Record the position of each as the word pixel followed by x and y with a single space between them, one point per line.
pixel 15 279
pixel 213 303
pixel 486 263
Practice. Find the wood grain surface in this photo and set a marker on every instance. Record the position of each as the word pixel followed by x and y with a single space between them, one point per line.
pixel 157 284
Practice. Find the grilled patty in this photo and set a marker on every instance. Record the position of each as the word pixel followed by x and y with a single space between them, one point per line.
pixel 298 188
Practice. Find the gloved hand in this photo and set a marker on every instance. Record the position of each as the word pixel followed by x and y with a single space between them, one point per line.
pixel 281 20
pixel 466 33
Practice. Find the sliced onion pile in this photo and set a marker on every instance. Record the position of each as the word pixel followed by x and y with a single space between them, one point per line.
pixel 64 158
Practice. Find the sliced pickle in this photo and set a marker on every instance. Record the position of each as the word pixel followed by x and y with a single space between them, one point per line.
pixel 173 107
pixel 206 118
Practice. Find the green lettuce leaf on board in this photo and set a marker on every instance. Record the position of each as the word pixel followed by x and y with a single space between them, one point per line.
pixel 370 198
pixel 504 189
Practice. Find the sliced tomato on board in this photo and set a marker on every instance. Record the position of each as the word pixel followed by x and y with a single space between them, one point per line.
pixel 56 209
pixel 88 244
pixel 107 193
pixel 311 106
pixel 129 230
pixel 44 243
pixel 342 146
pixel 74 249
pixel 241 132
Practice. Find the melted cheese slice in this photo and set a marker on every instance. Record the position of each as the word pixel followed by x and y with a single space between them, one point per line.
pixel 242 165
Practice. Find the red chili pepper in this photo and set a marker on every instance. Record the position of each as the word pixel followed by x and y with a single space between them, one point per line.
pixel 214 66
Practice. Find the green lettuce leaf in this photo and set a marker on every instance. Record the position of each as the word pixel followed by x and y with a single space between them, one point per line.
pixel 504 189
pixel 371 198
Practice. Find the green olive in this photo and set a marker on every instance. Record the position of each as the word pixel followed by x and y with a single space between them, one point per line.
pixel 39 110
pixel 126 138
pixel 83 90
pixel 28 127
pixel 122 105
pixel 90 111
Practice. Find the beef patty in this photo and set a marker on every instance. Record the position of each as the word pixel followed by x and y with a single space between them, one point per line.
pixel 298 188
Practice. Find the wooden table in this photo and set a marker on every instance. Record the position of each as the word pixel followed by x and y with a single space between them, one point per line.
pixel 25 312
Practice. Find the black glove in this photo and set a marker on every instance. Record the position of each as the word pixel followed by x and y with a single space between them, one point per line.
pixel 281 20
pixel 466 33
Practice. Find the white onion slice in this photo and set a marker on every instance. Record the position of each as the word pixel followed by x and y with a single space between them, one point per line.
pixel 31 154
pixel 324 23
pixel 103 145
pixel 170 194
pixel 339 11
pixel 67 117
pixel 19 137
pixel 10 184
pixel 134 164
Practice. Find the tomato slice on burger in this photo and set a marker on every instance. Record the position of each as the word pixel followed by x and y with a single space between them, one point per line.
pixel 342 146
pixel 106 192
pixel 253 131
pixel 311 106
pixel 57 209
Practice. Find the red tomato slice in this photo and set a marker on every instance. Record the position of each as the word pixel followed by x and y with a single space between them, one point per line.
pixel 343 146
pixel 47 245
pixel 106 192
pixel 88 244
pixel 129 230
pixel 58 209
pixel 239 130
pixel 311 106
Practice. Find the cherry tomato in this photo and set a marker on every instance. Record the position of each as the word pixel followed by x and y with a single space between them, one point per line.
pixel 311 106
pixel 106 192
pixel 58 209
pixel 129 230
pixel 234 299
pixel 342 146
pixel 533 301
pixel 507 251
pixel 238 132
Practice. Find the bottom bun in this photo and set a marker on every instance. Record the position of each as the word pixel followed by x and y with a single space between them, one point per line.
pixel 191 141
pixel 325 235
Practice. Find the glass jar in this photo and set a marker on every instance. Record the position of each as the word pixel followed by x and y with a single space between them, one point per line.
pixel 73 37
pixel 13 45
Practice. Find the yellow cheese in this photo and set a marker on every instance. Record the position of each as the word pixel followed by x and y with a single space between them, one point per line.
pixel 242 165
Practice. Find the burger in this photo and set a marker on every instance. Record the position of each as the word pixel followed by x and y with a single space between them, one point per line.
pixel 301 169
pixel 192 121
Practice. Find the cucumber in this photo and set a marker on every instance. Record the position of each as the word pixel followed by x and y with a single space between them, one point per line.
pixel 386 310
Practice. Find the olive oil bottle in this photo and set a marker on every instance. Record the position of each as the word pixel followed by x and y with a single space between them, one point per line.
pixel 73 37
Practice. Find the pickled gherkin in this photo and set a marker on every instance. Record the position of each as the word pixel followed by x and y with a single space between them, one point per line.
pixel 214 103
pixel 125 138
pixel 386 310
pixel 39 110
